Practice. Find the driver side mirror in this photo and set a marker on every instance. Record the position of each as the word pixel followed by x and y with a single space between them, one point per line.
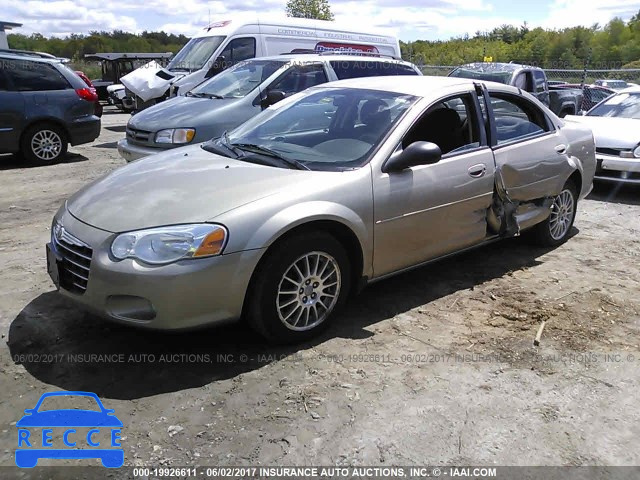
pixel 219 65
pixel 418 153
pixel 272 97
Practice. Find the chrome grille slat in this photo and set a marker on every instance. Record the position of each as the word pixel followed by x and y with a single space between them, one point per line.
pixel 75 267
pixel 73 252
pixel 86 279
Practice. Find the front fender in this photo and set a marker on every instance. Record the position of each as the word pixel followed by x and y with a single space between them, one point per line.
pixel 287 219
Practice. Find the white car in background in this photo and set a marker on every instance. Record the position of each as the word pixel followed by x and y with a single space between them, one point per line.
pixel 616 127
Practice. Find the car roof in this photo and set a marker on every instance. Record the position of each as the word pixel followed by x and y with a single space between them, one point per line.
pixel 496 67
pixel 417 85
pixel 28 56
pixel 629 90
pixel 132 56
pixel 329 56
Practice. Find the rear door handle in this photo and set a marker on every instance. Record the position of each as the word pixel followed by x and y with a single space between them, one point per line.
pixel 561 149
pixel 477 171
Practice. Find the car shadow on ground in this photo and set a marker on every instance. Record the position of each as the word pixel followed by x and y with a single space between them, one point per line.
pixel 117 128
pixel 55 341
pixel 13 162
pixel 615 193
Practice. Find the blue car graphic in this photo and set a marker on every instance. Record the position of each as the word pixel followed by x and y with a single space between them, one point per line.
pixel 28 457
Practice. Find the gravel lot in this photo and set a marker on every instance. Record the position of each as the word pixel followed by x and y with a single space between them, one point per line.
pixel 436 366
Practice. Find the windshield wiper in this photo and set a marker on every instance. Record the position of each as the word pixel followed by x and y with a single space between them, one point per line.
pixel 252 147
pixel 213 146
pixel 203 95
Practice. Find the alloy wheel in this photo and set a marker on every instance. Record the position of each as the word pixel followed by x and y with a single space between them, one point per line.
pixel 46 145
pixel 562 212
pixel 308 291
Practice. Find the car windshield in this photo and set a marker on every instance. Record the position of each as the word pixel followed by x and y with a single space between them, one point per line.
pixel 623 105
pixel 68 402
pixel 619 84
pixel 329 129
pixel 489 76
pixel 239 80
pixel 195 53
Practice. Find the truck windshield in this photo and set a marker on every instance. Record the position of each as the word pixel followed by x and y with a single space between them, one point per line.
pixel 195 53
pixel 624 105
pixel 496 76
pixel 239 80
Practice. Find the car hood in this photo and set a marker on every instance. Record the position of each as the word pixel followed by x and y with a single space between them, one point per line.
pixel 181 112
pixel 184 185
pixel 611 132
pixel 69 418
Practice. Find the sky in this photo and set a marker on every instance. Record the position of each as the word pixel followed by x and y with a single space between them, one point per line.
pixel 411 19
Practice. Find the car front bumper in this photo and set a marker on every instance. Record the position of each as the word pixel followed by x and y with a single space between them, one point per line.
pixel 617 169
pixel 182 295
pixel 131 152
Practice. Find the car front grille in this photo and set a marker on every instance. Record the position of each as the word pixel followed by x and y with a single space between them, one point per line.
pixel 76 262
pixel 138 136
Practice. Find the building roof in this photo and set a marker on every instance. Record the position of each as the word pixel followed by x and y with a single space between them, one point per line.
pixel 8 25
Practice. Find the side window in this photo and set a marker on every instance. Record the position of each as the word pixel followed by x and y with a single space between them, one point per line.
pixel 451 124
pixel 523 81
pixel 540 81
pixel 300 77
pixel 516 118
pixel 5 65
pixel 239 49
pixel 36 76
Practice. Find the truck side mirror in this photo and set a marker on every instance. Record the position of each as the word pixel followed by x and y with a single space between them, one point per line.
pixel 218 65
pixel 272 97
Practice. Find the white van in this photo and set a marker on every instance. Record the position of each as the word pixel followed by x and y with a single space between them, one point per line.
pixel 225 43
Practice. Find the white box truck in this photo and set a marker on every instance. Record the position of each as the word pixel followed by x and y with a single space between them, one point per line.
pixel 225 43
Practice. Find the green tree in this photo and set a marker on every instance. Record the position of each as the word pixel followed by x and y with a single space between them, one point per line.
pixel 319 9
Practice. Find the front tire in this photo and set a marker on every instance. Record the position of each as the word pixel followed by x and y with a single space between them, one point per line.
pixel 555 230
pixel 298 288
pixel 44 144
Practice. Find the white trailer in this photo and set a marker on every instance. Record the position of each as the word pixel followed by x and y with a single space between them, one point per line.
pixel 227 42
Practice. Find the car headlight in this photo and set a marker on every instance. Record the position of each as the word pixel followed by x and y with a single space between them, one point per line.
pixel 636 152
pixel 159 246
pixel 175 135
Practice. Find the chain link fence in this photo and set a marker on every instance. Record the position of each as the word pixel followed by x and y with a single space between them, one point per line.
pixel 574 76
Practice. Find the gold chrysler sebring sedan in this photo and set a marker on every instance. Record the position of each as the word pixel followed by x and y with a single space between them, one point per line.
pixel 279 220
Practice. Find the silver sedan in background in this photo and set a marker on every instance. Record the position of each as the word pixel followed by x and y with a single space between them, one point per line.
pixel 616 127
pixel 350 182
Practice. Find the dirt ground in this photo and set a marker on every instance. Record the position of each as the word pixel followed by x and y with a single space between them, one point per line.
pixel 436 366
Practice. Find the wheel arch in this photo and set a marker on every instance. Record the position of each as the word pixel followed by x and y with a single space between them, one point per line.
pixel 45 120
pixel 336 228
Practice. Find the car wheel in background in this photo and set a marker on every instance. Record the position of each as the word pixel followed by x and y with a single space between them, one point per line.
pixel 556 229
pixel 298 287
pixel 44 144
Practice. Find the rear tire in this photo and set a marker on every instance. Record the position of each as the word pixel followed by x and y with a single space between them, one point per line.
pixel 555 230
pixel 44 144
pixel 298 288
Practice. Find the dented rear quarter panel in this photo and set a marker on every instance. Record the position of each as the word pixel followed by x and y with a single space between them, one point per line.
pixel 581 153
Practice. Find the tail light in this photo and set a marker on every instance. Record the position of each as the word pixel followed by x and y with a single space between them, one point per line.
pixel 88 94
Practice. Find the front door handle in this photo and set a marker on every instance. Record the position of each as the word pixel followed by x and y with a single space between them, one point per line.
pixel 477 171
pixel 561 149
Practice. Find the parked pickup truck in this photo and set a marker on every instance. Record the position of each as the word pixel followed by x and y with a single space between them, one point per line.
pixel 561 101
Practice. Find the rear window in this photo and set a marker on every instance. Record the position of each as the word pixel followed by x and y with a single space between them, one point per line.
pixel 28 76
pixel 346 69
